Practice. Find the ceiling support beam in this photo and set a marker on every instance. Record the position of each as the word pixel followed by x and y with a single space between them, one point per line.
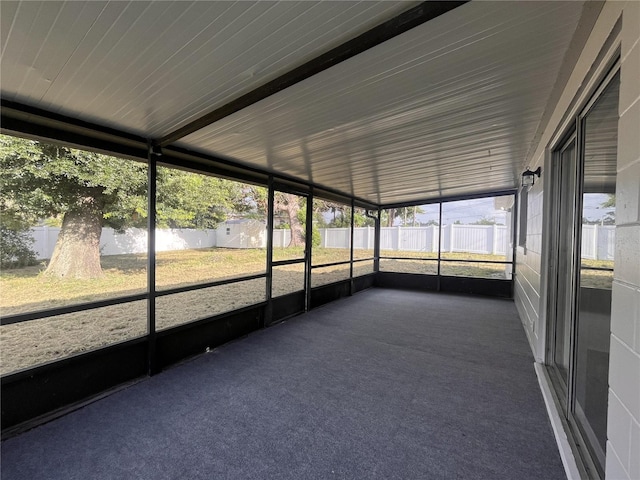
pixel 22 120
pixel 385 31
pixel 25 121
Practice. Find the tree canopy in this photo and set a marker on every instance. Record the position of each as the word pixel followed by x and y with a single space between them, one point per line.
pixel 408 216
pixel 84 191
pixel 40 180
pixel 88 191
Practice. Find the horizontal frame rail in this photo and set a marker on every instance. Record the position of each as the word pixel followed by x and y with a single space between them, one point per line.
pixel 442 260
pixel 422 259
pixel 79 307
pixel 332 264
pixel 459 260
pixel 200 286
pixel 280 263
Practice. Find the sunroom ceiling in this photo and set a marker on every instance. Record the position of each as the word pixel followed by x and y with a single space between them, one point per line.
pixel 450 107
pixel 148 67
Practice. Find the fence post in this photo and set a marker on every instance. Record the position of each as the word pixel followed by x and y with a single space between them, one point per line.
pixel 596 244
pixel 494 238
pixel 434 238
pixel 46 253
pixel 451 239
pixel 399 237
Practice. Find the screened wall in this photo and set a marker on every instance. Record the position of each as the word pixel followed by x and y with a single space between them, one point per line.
pixel 466 238
pixel 116 267
pixel 82 269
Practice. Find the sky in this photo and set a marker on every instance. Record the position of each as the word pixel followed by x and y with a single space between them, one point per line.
pixel 465 211
pixel 470 211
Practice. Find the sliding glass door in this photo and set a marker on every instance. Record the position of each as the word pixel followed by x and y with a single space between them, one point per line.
pixel 564 249
pixel 583 217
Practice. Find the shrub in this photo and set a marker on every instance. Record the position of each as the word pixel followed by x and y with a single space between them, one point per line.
pixel 316 239
pixel 15 248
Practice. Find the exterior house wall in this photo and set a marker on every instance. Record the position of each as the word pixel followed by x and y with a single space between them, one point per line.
pixel 623 430
pixel 527 290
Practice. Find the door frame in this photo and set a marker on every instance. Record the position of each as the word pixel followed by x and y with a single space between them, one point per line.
pixel 565 393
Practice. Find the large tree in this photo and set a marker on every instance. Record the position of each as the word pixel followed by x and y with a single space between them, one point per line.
pixel 288 206
pixel 192 200
pixel 88 191
pixel 408 216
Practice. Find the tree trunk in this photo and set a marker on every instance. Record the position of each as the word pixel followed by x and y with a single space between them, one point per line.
pixel 297 235
pixel 77 251
pixel 391 217
pixel 290 204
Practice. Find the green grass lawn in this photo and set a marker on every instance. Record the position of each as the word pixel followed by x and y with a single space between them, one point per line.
pixel 23 290
pixel 26 289
pixel 31 343
pixel 414 264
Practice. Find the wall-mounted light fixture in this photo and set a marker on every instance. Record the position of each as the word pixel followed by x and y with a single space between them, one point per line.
pixel 529 177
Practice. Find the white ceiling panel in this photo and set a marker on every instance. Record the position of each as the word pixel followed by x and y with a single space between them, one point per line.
pixel 447 108
pixel 450 107
pixel 150 67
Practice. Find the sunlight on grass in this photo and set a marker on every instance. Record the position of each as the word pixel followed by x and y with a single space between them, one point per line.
pixel 26 289
pixel 476 270
pixel 409 266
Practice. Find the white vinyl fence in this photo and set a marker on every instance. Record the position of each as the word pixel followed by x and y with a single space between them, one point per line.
pixel 132 240
pixel 484 239
pixel 598 241
pixel 489 239
pixel 281 238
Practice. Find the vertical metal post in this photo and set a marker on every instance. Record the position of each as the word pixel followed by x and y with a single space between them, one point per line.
pixel 574 295
pixel 439 242
pixel 154 153
pixel 268 314
pixel 353 206
pixel 308 244
pixel 376 242
pixel 515 219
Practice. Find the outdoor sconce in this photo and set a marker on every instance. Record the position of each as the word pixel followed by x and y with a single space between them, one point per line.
pixel 529 177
